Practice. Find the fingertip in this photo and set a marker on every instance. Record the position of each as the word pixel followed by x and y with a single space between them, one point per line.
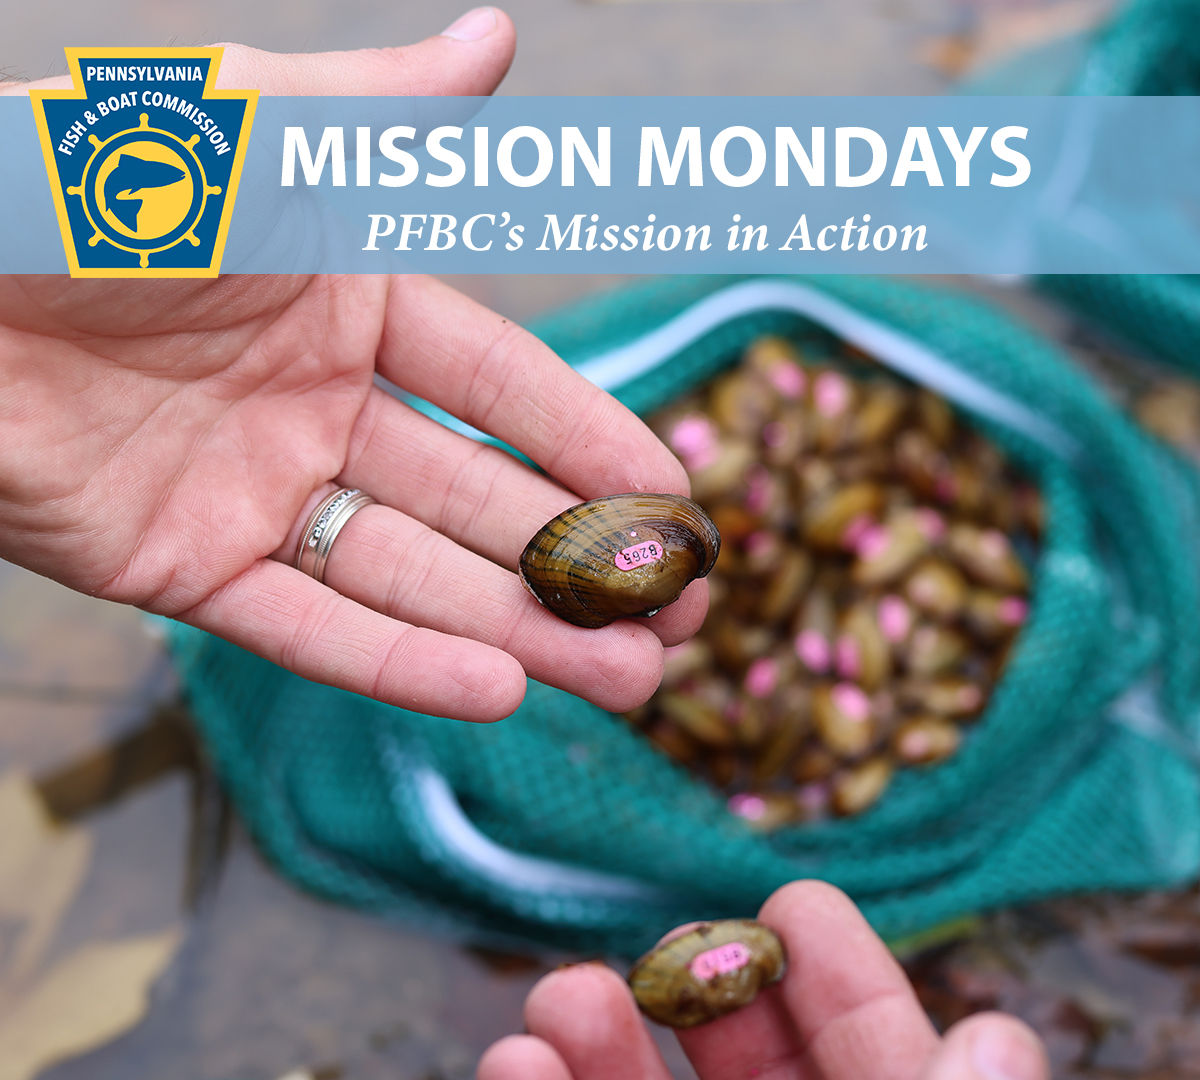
pixel 681 620
pixel 587 1013
pixel 839 962
pixel 479 23
pixel 665 475
pixel 989 1046
pixel 504 39
pixel 521 1057
pixel 590 989
pixel 637 460
pixel 680 478
pixel 495 685
pixel 628 666
pixel 485 35
pixel 805 899
pixel 437 66
pixel 807 914
pixel 471 25
pixel 443 675
pixel 504 23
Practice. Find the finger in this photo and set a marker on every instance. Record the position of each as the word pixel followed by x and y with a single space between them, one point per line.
pixel 587 1014
pixel 757 1040
pixel 469 58
pixel 21 89
pixel 522 1057
pixel 478 495
pixel 287 617
pixel 854 1011
pixel 989 1046
pixel 679 621
pixel 402 568
pixel 499 378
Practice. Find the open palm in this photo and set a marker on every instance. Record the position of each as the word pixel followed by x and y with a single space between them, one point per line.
pixel 162 442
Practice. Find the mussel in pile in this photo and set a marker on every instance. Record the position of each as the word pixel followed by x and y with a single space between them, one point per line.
pixel 872 579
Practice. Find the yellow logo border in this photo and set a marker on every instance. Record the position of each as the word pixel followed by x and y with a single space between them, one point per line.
pixel 78 92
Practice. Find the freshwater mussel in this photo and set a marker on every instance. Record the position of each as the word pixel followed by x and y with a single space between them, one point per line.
pixel 619 556
pixel 708 971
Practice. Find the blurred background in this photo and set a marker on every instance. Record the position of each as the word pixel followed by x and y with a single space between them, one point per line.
pixel 140 933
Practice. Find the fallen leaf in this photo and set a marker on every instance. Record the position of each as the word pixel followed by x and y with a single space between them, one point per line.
pixel 90 997
pixel 41 868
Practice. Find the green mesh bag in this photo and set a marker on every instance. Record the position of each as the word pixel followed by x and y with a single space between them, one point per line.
pixel 563 826
pixel 1149 48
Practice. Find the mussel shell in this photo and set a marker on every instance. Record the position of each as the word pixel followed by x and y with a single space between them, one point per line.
pixel 709 971
pixel 861 786
pixel 619 556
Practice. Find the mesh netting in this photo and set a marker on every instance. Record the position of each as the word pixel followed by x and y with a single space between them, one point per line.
pixel 1150 48
pixel 562 825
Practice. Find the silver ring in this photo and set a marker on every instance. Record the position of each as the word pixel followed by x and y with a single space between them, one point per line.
pixel 322 528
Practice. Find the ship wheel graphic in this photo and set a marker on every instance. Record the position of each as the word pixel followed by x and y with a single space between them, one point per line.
pixel 143 190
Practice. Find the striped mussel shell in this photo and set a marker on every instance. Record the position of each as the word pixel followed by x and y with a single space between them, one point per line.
pixel 619 557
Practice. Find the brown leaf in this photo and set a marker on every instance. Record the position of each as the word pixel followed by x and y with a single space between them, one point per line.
pixel 88 998
pixel 41 868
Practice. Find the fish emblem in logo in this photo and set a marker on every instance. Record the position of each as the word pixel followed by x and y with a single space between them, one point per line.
pixel 143 190
pixel 144 155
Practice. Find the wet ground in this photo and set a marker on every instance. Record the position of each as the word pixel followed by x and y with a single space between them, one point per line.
pixel 140 933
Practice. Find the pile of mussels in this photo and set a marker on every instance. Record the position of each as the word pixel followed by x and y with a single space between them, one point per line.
pixel 867 593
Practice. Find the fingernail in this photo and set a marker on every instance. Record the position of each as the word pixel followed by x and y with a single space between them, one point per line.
pixel 475 24
pixel 1007 1053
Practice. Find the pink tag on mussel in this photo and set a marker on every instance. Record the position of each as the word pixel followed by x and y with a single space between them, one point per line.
pixel 638 555
pixel 895 618
pixel 724 958
pixel 814 651
pixel 762 677
pixel 1013 610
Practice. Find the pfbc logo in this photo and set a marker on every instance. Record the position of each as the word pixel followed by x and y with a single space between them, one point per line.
pixel 144 157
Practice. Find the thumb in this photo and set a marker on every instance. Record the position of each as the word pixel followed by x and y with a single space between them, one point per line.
pixel 989 1046
pixel 468 58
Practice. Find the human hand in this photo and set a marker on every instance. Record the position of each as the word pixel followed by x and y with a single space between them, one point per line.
pixel 844 1011
pixel 162 443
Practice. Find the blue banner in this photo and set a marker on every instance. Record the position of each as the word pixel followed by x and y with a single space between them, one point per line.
pixel 559 185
